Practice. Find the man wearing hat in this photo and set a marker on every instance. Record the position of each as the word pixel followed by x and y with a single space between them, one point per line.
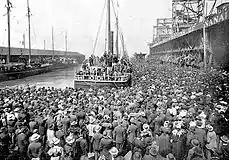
pixel 211 145
pixel 152 154
pixel 196 154
pixel 114 154
pixel 56 152
pixel 50 134
pixel 96 141
pixel 224 147
pixel 132 131
pixel 119 136
pixel 60 134
pixel 22 141
pixel 35 147
pixel 5 142
pixel 200 133
pixel 83 145
pixel 195 143
pixel 69 150
pixel 90 128
pixel 66 124
pixel 105 145
pixel 164 142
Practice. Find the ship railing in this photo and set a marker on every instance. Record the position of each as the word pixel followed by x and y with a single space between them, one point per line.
pixel 102 78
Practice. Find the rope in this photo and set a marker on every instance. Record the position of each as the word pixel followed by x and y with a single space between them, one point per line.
pixel 114 9
pixel 100 24
pixel 106 34
pixel 120 30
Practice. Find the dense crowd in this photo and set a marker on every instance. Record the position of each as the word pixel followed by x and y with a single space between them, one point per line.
pixel 170 113
pixel 96 69
pixel 190 60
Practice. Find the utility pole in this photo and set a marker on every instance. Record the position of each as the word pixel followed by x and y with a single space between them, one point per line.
pixel 8 18
pixel 52 44
pixel 29 32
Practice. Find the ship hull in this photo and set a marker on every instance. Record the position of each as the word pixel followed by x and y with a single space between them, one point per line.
pixel 191 41
pixel 32 72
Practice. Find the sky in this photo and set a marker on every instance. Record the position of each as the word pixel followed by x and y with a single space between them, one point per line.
pixel 80 19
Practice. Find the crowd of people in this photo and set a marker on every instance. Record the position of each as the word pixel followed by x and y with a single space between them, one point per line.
pixel 98 69
pixel 190 60
pixel 169 113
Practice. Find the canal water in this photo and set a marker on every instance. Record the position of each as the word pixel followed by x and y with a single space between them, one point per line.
pixel 58 79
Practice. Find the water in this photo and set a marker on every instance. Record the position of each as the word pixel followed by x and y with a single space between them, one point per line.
pixel 58 79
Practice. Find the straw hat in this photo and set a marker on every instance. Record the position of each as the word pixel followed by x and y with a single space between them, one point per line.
pixel 178 124
pixel 199 124
pixel 70 139
pixel 55 141
pixel 35 137
pixel 153 151
pixel 174 132
pixel 11 117
pixel 193 97
pixel 209 127
pixel 35 131
pixel 145 126
pixel 137 156
pixel 223 102
pixel 17 109
pixel 195 142
pixel 224 138
pixel 73 123
pixel 113 151
pixel 97 128
pixel 91 119
pixel 166 123
pixel 192 124
pixel 170 156
pixel 132 120
pixel 183 113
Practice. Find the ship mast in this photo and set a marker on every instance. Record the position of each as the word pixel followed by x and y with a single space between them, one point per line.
pixel 66 41
pixel 52 44
pixel 66 44
pixel 29 32
pixel 8 18
pixel 204 35
pixel 117 49
pixel 109 25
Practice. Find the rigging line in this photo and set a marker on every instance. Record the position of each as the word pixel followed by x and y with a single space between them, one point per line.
pixel 4 36
pixel 212 9
pixel 101 20
pixel 34 33
pixel 114 9
pixel 120 30
pixel 106 34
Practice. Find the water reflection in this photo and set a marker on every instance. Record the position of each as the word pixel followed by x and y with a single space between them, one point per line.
pixel 58 79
